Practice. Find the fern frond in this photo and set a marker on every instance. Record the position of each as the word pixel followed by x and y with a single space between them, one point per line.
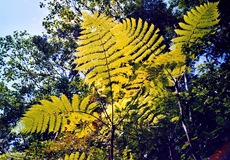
pixel 57 115
pixel 198 23
pixel 107 47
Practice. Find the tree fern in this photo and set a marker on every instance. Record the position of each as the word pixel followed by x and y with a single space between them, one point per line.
pixel 124 59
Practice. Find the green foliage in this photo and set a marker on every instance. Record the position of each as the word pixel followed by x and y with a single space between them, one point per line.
pixel 112 49
pixel 209 102
pixel 32 68
pixel 10 112
pixel 130 74
pixel 38 67
pixel 58 115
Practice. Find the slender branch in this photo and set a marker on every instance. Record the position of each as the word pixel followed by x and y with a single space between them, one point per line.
pixel 170 150
pixel 182 118
pixel 105 112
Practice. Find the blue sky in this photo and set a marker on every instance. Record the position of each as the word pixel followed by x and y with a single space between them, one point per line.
pixel 21 15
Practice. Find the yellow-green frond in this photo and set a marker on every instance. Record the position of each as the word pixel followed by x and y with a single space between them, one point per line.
pixel 198 23
pixel 107 47
pixel 56 115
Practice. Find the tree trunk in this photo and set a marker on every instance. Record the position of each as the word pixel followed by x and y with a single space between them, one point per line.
pixel 182 119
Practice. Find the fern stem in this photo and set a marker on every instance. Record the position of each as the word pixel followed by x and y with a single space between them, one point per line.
pixel 113 127
pixel 112 131
pixel 110 82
